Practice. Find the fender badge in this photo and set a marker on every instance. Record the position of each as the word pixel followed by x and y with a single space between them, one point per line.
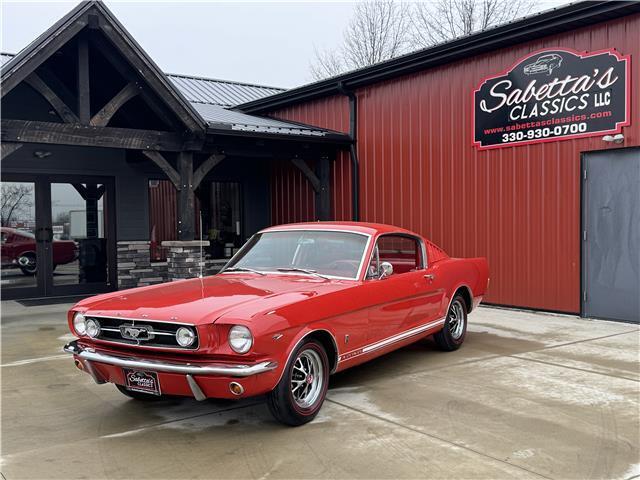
pixel 277 336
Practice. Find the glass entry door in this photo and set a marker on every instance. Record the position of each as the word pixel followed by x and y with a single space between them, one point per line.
pixel 59 237
pixel 18 247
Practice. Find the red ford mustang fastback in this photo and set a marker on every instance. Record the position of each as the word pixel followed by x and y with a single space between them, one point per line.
pixel 294 305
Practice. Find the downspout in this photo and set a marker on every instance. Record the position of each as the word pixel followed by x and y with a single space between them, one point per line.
pixel 353 151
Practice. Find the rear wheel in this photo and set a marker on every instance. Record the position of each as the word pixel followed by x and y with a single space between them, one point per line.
pixel 455 326
pixel 301 391
pixel 27 264
pixel 147 397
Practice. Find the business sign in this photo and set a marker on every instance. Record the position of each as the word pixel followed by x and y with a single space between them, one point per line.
pixel 551 95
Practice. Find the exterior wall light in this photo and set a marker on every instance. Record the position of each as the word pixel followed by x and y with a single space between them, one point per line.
pixel 618 138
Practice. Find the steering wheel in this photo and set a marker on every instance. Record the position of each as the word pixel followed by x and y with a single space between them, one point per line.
pixel 347 266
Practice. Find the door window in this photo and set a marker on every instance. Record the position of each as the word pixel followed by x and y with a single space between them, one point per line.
pixel 402 252
pixel 79 243
pixel 18 218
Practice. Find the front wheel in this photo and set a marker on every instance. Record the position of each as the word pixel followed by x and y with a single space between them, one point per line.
pixel 455 326
pixel 302 389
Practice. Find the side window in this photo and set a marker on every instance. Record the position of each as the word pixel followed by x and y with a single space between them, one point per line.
pixel 403 253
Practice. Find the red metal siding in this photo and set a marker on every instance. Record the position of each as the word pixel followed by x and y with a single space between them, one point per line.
pixel 292 196
pixel 518 206
pixel 163 216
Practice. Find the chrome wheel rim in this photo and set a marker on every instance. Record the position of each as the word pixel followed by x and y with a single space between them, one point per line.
pixel 456 320
pixel 307 378
pixel 27 262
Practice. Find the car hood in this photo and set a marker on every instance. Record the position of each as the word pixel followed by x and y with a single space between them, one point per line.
pixel 204 300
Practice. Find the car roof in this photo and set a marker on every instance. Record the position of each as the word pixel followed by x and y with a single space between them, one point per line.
pixel 15 231
pixel 355 227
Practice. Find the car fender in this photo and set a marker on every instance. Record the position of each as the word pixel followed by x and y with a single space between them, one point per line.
pixel 302 334
pixel 451 294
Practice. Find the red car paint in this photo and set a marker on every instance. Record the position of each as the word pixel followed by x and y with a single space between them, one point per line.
pixel 16 243
pixel 365 318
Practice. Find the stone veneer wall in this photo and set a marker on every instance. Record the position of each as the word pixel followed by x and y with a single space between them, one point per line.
pixel 183 258
pixel 134 265
pixel 135 268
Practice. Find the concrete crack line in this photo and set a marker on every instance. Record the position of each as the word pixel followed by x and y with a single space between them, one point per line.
pixel 586 370
pixel 502 355
pixel 436 437
pixel 583 341
pixel 189 417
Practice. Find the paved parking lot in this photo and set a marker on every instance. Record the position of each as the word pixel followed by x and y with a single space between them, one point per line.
pixel 528 396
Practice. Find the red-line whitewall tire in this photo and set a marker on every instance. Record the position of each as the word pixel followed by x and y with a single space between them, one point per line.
pixel 302 389
pixel 454 329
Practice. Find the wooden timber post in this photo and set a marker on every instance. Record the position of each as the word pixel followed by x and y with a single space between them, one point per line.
pixel 319 181
pixel 186 197
pixel 323 194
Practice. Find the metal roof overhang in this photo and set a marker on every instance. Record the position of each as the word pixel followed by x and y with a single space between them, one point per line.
pixel 546 23
pixel 329 138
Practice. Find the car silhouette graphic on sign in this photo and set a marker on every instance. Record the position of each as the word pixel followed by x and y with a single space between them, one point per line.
pixel 544 64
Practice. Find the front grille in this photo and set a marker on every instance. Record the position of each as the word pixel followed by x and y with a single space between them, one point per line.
pixel 149 333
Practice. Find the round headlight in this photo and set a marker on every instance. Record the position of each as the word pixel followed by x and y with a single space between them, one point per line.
pixel 79 324
pixel 240 339
pixel 93 328
pixel 185 337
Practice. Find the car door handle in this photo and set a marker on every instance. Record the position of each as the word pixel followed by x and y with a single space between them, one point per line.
pixel 430 277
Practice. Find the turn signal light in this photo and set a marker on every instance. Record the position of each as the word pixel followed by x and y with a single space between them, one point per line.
pixel 236 388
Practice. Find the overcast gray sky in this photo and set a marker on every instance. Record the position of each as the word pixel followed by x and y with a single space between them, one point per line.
pixel 269 43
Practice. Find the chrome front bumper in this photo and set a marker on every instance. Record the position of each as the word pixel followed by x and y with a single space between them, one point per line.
pixel 222 369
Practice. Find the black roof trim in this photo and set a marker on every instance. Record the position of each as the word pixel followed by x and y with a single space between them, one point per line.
pixel 543 24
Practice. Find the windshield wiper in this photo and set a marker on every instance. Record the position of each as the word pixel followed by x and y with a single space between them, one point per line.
pixel 242 269
pixel 301 270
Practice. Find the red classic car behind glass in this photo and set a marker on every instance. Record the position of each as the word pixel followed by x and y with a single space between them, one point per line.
pixel 296 304
pixel 18 249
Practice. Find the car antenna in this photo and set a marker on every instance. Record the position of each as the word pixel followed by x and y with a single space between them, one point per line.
pixel 201 258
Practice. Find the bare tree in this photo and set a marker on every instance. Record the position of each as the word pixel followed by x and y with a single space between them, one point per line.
pixel 383 29
pixel 442 20
pixel 328 63
pixel 378 31
pixel 16 201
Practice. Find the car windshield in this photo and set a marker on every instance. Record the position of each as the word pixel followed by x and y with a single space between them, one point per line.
pixel 24 233
pixel 308 252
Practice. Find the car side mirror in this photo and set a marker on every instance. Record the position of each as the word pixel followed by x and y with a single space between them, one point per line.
pixel 386 270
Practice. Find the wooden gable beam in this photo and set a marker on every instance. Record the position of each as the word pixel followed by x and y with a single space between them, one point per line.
pixel 165 166
pixel 7 149
pixel 61 108
pixel 51 45
pixel 30 131
pixel 125 71
pixel 84 90
pixel 102 118
pixel 304 168
pixel 205 168
pixel 158 82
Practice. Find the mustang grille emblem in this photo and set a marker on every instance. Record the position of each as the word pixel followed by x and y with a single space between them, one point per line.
pixel 137 332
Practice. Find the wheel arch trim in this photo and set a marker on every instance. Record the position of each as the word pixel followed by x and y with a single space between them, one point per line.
pixel 306 332
pixel 453 295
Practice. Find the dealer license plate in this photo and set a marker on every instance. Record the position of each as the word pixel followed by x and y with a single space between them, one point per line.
pixel 142 381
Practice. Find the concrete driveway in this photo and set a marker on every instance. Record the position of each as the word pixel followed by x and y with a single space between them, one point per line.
pixel 527 396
